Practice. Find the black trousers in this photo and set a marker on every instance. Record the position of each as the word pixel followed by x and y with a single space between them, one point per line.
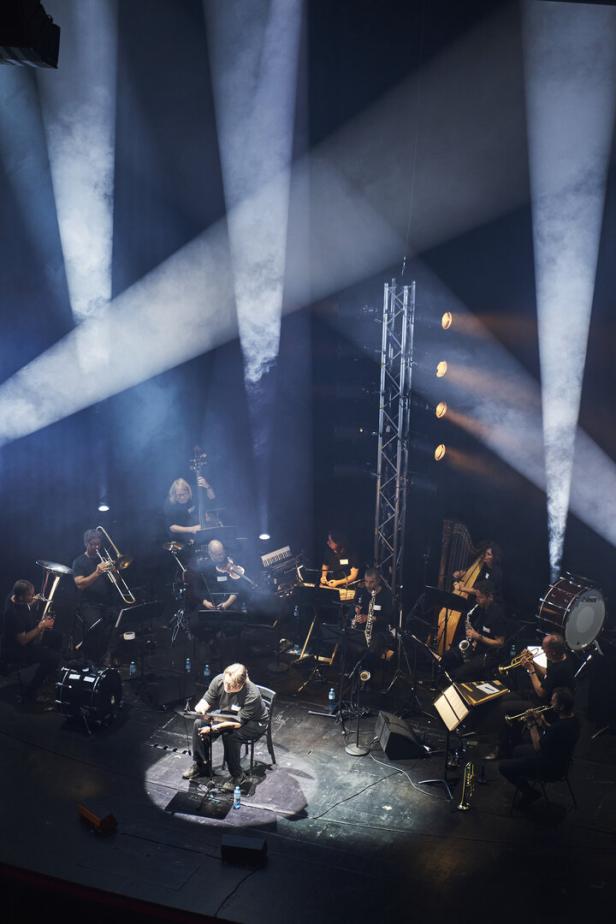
pixel 47 654
pixel 478 667
pixel 232 741
pixel 527 764
pixel 369 656
pixel 96 627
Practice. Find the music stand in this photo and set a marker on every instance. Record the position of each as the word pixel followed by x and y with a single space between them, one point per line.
pixel 452 711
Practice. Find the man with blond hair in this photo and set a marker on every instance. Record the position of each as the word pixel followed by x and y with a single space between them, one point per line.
pixel 231 707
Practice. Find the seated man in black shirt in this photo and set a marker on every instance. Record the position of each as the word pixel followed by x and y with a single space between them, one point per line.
pixel 486 636
pixel 374 597
pixel 560 672
pixel 29 639
pixel 98 605
pixel 246 720
pixel 340 567
pixel 548 755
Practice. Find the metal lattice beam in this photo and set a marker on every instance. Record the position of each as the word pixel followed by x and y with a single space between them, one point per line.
pixel 398 328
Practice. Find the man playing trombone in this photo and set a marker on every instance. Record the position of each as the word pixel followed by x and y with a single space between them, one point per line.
pixel 98 606
pixel 28 637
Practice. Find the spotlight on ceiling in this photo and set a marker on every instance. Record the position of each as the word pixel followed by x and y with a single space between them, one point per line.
pixel 441 409
pixel 103 507
pixel 440 452
pixel 441 369
pixel 447 320
pixel 264 537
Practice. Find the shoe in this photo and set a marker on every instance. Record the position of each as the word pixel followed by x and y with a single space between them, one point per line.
pixel 195 771
pixel 528 797
pixel 232 782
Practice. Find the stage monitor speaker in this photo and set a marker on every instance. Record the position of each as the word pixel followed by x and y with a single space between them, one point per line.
pixel 243 850
pixel 397 738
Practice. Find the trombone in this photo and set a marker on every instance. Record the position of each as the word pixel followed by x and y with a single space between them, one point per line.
pixel 116 565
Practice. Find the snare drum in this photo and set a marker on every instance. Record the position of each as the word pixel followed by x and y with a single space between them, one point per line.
pixel 86 692
pixel 574 609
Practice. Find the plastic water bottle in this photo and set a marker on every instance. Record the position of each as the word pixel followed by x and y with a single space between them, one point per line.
pixel 207 674
pixel 237 797
pixel 188 665
pixel 331 700
pixel 132 670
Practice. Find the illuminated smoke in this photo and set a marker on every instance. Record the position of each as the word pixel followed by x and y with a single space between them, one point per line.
pixel 79 102
pixel 570 59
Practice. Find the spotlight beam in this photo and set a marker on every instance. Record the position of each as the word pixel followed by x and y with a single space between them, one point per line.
pixel 570 64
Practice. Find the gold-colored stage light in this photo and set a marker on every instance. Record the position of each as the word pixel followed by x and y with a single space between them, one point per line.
pixel 441 369
pixel 440 452
pixel 441 409
pixel 447 320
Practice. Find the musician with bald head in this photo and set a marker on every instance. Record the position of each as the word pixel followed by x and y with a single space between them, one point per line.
pixel 221 577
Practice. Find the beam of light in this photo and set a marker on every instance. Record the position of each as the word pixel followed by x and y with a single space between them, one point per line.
pixel 25 162
pixel 570 65
pixel 254 78
pixel 79 114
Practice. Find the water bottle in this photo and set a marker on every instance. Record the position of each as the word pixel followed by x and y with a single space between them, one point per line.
pixel 207 674
pixel 132 670
pixel 188 665
pixel 237 797
pixel 331 700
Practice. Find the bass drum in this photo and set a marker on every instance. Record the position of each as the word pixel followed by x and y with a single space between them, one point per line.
pixel 575 609
pixel 90 694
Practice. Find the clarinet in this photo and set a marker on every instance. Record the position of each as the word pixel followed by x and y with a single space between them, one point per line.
pixel 370 620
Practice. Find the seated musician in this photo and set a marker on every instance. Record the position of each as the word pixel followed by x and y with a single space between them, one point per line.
pixel 560 672
pixel 486 635
pixel 223 579
pixel 340 566
pixel 551 747
pixel 490 570
pixel 180 511
pixel 382 616
pixel 233 693
pixel 29 639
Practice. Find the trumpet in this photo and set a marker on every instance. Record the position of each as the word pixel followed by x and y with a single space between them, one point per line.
pixel 527 714
pixel 520 660
pixel 115 565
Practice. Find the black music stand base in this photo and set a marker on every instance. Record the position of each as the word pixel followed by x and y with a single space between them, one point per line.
pixel 441 781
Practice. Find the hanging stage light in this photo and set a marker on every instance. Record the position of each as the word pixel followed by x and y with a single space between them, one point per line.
pixel 447 320
pixel 441 369
pixel 264 537
pixel 440 452
pixel 441 409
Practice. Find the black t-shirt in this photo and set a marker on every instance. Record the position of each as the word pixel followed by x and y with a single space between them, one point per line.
pixel 489 622
pixel 101 591
pixel 219 584
pixel 494 575
pixel 382 610
pixel 18 618
pixel 246 706
pixel 339 564
pixel 557 745
pixel 180 515
pixel 559 674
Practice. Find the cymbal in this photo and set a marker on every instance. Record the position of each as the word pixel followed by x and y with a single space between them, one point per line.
pixel 173 546
pixel 54 567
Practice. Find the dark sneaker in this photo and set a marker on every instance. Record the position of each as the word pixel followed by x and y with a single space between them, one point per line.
pixel 528 797
pixel 232 782
pixel 196 770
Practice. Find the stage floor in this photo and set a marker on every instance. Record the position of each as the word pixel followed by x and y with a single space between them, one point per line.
pixel 347 837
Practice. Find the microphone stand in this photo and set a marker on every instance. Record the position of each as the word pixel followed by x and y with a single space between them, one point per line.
pixel 356 749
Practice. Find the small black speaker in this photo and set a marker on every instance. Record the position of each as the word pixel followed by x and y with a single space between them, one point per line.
pixel 242 850
pixel 397 738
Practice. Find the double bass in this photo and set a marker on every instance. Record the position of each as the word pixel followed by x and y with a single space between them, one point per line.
pixel 457 546
pixel 207 517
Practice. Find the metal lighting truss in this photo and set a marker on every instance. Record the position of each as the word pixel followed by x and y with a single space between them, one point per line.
pixel 394 426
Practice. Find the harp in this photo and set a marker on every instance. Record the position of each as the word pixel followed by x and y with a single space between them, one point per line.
pixel 457 550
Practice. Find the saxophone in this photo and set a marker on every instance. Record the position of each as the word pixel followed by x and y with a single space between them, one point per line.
pixel 370 620
pixel 466 647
